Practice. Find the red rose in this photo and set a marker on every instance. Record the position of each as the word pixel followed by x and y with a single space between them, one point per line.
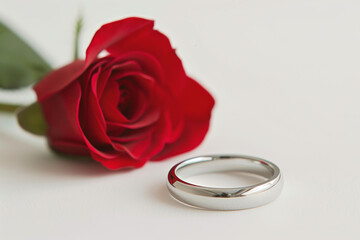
pixel 133 105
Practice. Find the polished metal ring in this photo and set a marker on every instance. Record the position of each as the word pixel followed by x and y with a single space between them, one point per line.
pixel 218 198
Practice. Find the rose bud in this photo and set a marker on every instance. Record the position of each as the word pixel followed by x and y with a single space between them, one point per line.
pixel 133 105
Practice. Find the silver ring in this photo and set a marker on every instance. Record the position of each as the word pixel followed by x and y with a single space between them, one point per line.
pixel 216 198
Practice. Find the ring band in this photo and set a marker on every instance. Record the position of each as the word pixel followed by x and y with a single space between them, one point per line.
pixel 218 198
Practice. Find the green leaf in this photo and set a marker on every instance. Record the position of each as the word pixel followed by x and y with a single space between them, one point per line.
pixel 20 65
pixel 32 119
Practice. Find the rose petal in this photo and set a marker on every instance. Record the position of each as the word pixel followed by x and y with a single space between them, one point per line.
pixel 148 119
pixel 58 79
pixel 191 137
pixel 62 122
pixel 106 154
pixel 91 118
pixel 109 102
pixel 161 132
pixel 139 86
pixel 118 65
pixel 197 102
pixel 197 105
pixel 132 134
pixel 120 160
pixel 70 147
pixel 136 148
pixel 149 65
pixel 157 45
pixel 114 33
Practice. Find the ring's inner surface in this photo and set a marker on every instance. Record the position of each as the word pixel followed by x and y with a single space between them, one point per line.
pixel 204 165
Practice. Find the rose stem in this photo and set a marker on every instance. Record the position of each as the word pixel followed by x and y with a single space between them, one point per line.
pixel 78 27
pixel 10 108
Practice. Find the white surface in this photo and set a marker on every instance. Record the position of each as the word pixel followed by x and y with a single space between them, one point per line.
pixel 286 77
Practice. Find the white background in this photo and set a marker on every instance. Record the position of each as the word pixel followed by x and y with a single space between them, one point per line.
pixel 286 78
